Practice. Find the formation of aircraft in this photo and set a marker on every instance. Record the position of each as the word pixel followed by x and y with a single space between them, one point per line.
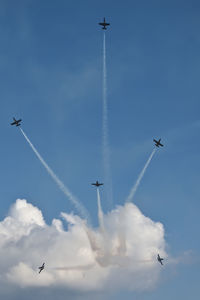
pixel 41 268
pixel 16 122
pixel 158 143
pixel 104 24
pixel 97 184
pixel 160 259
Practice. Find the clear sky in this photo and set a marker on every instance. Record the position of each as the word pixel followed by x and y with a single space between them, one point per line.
pixel 51 77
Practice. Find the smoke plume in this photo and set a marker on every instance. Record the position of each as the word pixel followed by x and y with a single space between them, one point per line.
pixel 106 147
pixel 141 175
pixel 60 184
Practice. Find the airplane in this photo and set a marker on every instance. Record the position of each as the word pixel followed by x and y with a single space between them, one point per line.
pixel 97 184
pixel 41 268
pixel 158 143
pixel 160 259
pixel 104 24
pixel 16 122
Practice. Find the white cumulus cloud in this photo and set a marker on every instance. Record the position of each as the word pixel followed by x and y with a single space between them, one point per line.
pixel 81 258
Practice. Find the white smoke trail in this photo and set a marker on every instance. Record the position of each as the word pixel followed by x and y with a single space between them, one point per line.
pixel 106 148
pixel 100 212
pixel 74 268
pixel 121 250
pixel 135 187
pixel 60 184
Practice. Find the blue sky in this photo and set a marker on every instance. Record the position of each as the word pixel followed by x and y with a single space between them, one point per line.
pixel 51 77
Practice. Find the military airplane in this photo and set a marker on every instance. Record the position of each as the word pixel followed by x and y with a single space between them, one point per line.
pixel 16 122
pixel 160 259
pixel 104 24
pixel 158 143
pixel 97 184
pixel 41 268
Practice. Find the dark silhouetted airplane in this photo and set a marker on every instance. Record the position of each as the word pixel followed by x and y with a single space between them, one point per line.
pixel 16 122
pixel 97 183
pixel 104 24
pixel 160 259
pixel 158 143
pixel 41 268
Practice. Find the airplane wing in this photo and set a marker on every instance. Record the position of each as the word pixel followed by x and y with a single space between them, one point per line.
pixel 13 123
pixel 160 144
pixel 104 24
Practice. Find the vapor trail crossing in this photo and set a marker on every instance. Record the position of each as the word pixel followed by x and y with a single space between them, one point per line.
pixel 106 148
pixel 136 185
pixel 80 208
